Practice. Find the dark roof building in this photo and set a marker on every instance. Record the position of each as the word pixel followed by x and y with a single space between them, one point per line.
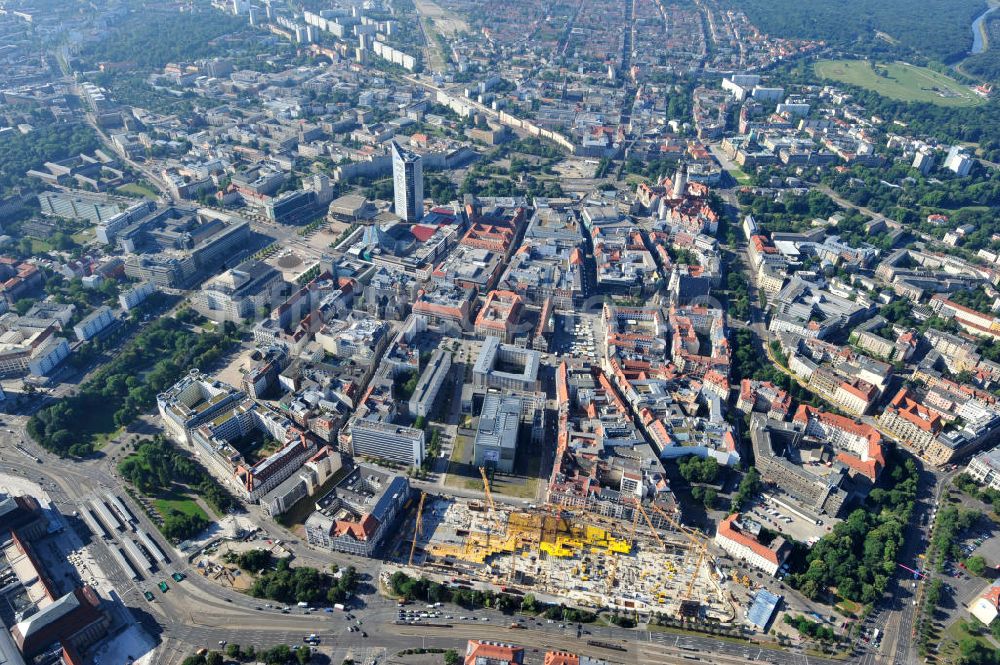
pixel 75 619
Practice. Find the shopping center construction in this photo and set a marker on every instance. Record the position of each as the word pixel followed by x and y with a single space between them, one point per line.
pixel 585 560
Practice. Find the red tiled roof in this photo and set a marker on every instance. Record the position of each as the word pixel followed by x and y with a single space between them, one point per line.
pixel 992 595
pixel 361 530
pixel 561 658
pixel 918 414
pixel 502 653
pixel 728 530
pixel 423 232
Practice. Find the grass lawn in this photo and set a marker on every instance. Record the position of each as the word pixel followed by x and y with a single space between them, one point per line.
pixel 84 236
pixel 523 484
pixel 102 439
pixel 848 607
pixel 180 503
pixel 955 633
pixel 456 462
pixel 40 246
pixel 740 177
pixel 138 189
pixel 900 80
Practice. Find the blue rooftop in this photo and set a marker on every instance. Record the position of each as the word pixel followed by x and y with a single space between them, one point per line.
pixel 764 605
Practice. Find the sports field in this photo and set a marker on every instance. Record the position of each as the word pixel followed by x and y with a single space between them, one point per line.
pixel 900 80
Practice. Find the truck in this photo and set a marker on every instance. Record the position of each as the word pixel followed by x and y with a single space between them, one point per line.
pixel 339 606
pixel 303 605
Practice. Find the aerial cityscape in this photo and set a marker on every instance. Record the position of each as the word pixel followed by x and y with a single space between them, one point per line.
pixel 438 332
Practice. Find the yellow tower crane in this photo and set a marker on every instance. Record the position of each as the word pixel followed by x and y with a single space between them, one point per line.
pixel 486 488
pixel 649 523
pixel 635 523
pixel 417 527
pixel 699 543
pixel 492 519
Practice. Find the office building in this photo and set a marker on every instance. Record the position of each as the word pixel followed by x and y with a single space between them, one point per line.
pixel 305 482
pixel 984 468
pixel 408 183
pixel 238 293
pixel 94 323
pixel 496 437
pixel 433 377
pixel 360 512
pixel 374 438
pixel 506 367
pixel 741 538
pixel 26 348
pixel 135 296
pixel 500 315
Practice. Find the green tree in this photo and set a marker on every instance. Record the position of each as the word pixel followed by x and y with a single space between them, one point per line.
pixel 976 565
pixel 278 655
pixel 23 305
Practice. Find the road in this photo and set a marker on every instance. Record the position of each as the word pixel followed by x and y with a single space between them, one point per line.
pixel 198 612
pixel 193 613
pixel 896 613
pixel 150 174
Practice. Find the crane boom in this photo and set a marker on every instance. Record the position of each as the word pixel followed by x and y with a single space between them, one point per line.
pixel 694 575
pixel 486 487
pixel 688 532
pixel 635 523
pixel 650 523
pixel 417 527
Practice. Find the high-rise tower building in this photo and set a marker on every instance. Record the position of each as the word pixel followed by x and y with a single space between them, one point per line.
pixel 408 183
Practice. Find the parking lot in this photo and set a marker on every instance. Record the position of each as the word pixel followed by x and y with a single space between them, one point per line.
pixel 773 512
pixel 575 336
pixel 983 539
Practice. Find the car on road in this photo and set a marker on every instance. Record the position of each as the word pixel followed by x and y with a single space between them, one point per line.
pixel 178 577
pixel 163 587
pixel 148 595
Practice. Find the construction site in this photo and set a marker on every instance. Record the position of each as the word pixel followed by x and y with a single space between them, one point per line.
pixel 216 563
pixel 581 559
